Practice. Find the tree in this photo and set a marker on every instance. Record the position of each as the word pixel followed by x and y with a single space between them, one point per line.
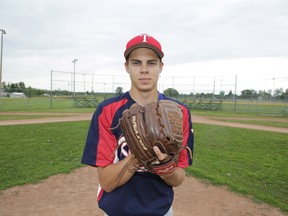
pixel 278 92
pixel 284 95
pixel 119 91
pixel 21 85
pixel 222 94
pixel 248 93
pixel 230 94
pixel 171 92
pixel 14 87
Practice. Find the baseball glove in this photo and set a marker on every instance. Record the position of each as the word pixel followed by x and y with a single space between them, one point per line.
pixel 155 124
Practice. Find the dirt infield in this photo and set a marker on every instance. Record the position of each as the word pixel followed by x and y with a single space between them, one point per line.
pixel 87 116
pixel 75 194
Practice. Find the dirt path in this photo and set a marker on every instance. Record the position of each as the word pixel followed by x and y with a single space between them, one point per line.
pixel 75 194
pixel 60 117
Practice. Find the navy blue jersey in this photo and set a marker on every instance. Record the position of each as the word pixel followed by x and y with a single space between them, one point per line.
pixel 145 193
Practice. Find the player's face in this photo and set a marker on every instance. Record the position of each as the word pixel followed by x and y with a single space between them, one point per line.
pixel 144 67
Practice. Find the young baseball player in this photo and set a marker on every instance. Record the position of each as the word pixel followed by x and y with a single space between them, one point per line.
pixel 124 190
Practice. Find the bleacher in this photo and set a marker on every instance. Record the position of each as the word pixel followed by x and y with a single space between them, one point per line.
pixel 84 102
pixel 205 105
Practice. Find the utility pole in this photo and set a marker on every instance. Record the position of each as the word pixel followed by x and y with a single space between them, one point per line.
pixel 1 57
pixel 74 61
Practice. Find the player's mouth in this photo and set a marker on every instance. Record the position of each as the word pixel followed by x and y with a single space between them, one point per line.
pixel 144 80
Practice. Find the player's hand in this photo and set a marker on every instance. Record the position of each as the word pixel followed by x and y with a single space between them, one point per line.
pixel 133 164
pixel 161 156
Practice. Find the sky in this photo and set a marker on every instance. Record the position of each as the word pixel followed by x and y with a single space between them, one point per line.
pixel 208 44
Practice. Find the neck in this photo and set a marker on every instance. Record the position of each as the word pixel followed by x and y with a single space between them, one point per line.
pixel 143 98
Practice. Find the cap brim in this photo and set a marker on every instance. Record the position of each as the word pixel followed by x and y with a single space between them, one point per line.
pixel 144 45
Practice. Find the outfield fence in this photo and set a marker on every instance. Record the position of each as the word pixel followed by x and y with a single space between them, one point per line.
pixel 79 90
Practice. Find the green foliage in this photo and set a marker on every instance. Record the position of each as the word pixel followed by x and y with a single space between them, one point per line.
pixel 20 87
pixel 247 161
pixel 119 91
pixel 171 92
pixel 14 87
pixel 248 93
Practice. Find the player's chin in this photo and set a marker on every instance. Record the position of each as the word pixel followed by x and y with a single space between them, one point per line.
pixel 145 88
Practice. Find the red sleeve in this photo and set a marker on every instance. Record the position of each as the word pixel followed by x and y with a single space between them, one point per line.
pixel 185 158
pixel 107 143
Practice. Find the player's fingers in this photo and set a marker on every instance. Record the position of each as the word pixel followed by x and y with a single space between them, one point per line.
pixel 161 156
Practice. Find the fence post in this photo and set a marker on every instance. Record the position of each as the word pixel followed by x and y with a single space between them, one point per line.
pixel 235 94
pixel 285 111
pixel 51 91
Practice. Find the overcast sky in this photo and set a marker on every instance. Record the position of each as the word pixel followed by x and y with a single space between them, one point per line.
pixel 211 38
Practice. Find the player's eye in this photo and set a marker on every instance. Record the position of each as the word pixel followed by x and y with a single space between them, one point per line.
pixel 152 63
pixel 136 62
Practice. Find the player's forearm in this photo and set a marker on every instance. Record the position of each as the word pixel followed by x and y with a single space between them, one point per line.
pixel 115 175
pixel 175 178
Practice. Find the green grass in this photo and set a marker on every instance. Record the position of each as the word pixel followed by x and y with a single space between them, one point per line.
pixel 279 108
pixel 11 104
pixel 256 106
pixel 270 123
pixel 19 117
pixel 236 114
pixel 40 104
pixel 30 153
pixel 247 161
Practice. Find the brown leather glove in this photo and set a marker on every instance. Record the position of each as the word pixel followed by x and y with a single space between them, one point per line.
pixel 156 124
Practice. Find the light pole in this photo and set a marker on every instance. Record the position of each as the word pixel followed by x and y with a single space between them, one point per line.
pixel 2 32
pixel 74 61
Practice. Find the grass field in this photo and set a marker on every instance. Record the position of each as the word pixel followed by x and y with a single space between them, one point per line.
pixel 271 123
pixel 248 162
pixel 29 153
pixel 241 106
pixel 19 116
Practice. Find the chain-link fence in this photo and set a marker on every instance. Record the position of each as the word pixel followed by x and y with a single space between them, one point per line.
pixel 83 90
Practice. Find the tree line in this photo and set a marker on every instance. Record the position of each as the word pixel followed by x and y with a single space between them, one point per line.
pixel 20 87
pixel 279 94
pixel 250 94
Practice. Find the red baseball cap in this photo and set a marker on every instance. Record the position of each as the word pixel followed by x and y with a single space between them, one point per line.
pixel 144 41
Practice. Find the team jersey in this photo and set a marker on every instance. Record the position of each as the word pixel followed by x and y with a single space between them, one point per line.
pixel 145 193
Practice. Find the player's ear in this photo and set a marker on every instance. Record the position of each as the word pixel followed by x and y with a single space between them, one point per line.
pixel 126 66
pixel 161 66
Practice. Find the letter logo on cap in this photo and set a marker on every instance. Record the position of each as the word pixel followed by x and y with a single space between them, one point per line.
pixel 144 37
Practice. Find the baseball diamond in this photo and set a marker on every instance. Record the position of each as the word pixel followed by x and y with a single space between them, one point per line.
pixel 67 195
